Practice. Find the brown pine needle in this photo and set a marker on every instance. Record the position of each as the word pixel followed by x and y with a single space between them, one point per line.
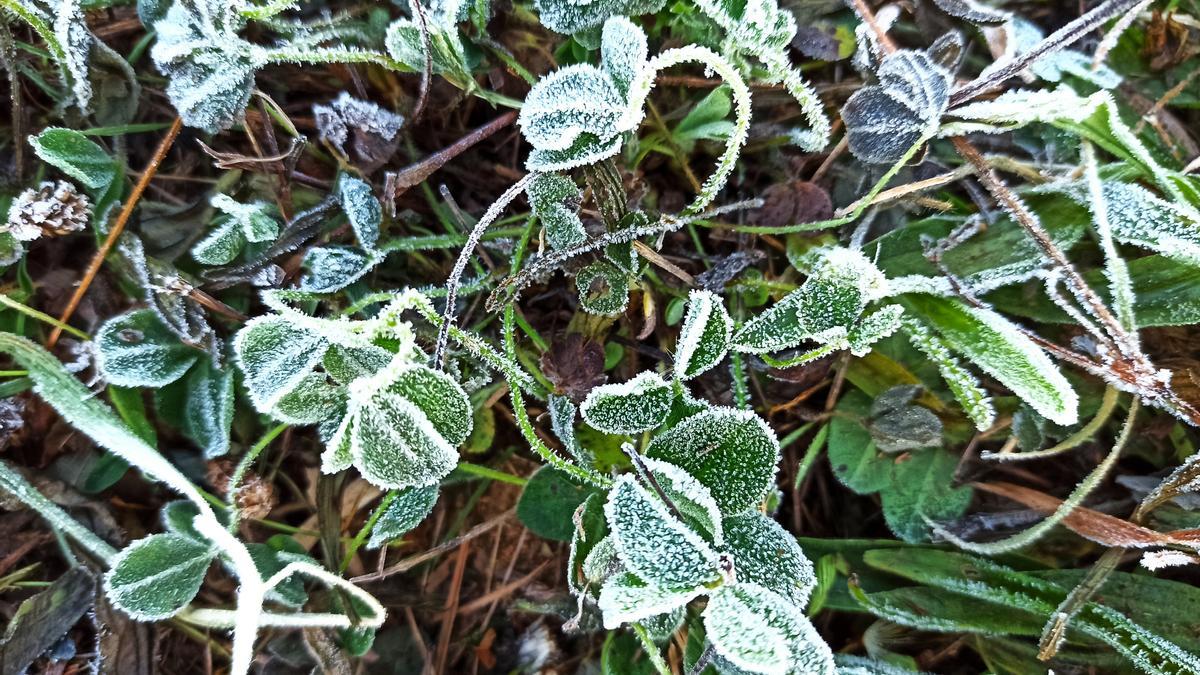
pixel 118 226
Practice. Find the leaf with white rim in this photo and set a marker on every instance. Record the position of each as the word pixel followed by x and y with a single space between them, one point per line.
pixel 653 543
pixel 137 350
pixel 762 632
pixel 628 407
pixel 154 578
pixel 766 554
pixel 884 120
pixel 276 354
pixel 624 598
pixel 705 335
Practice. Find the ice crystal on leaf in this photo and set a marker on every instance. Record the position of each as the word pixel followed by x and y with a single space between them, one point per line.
pixel 575 115
pixel 705 336
pixel 406 43
pixel 554 199
pixel 332 268
pixel 210 69
pixel 826 308
pixel 628 407
pixel 573 16
pixel 884 120
pixel 734 453
pixel 653 543
pixel 625 598
pixel 138 350
pixel 760 631
pixel 766 554
pixel 351 120
pixel 406 511
pixel 240 224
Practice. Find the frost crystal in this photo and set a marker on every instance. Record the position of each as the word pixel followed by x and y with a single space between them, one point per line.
pixel 628 407
pixel 575 115
pixel 705 335
pixel 554 199
pixel 241 223
pixel 885 120
pixel 759 631
pixel 573 16
pixel 210 69
pixel 347 118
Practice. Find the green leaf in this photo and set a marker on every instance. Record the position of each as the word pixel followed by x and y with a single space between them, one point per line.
pixel 138 350
pixel 362 209
pixel 759 631
pixel 624 598
pixel 75 155
pixel 208 407
pixel 567 17
pixel 332 268
pixel 276 355
pixel 706 121
pixel 548 503
pixel 921 488
pixel 766 554
pixel 653 543
pixel 855 460
pixel 154 578
pixel 705 336
pixel 221 245
pixel 999 349
pixel 603 288
pixel 628 407
pixel 555 199
pixel 407 510
pixel 590 528
pixel 733 453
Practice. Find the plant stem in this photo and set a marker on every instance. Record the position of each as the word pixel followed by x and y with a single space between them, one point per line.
pixel 235 481
pixel 118 226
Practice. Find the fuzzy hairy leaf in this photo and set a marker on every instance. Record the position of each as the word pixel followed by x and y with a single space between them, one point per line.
pixel 208 408
pixel 624 598
pixel 1139 218
pixel 734 453
pixel 825 308
pixel 756 26
pixel 210 70
pixel 548 502
pixel 573 16
pixel 154 578
pixel 628 407
pixel 75 155
pixel 883 121
pixel 766 554
pixel 137 350
pixel 554 199
pixel 760 631
pixel 406 511
pixel 653 543
pixel 693 501
pixel 332 268
pixel 590 529
pixel 705 336
pixel 603 288
pixel 275 356
pixel 994 344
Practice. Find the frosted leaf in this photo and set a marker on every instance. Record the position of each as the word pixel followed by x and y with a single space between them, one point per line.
pixel 760 631
pixel 734 453
pixel 408 422
pixel 628 407
pixel 875 327
pixel 883 121
pixel 350 120
pixel 208 413
pixel 362 209
pixel 138 350
pixel 254 219
pixel 406 44
pixel 603 288
pixel 157 576
pixel 691 499
pixel 624 598
pixel 897 424
pixel 756 26
pixel 766 554
pixel 1139 218
pixel 554 199
pixel 568 103
pixel 332 268
pixel 346 363
pixel 1000 349
pixel 601 562
pixel 973 11
pixel 336 456
pixel 221 245
pixel 825 307
pixel 407 510
pixel 590 529
pixel 704 337
pixel 963 385
pixel 275 355
pixel 71 31
pixel 75 155
pixel 1015 109
pixel 210 69
pixel 623 52
pixel 1056 65
pixel 573 16
pixel 311 400
pixel 653 543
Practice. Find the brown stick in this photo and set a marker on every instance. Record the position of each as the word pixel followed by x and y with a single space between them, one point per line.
pixel 118 226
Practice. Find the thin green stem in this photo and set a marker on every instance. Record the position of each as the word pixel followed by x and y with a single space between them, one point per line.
pixel 365 530
pixel 235 481
pixel 490 473
pixel 651 649
pixel 43 317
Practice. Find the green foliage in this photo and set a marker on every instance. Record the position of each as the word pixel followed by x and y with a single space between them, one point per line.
pixel 77 156
pixel 548 504
pixel 154 578
pixel 409 507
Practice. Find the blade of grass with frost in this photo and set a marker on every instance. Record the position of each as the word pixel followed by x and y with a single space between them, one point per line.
pixel 965 386
pixel 1114 265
